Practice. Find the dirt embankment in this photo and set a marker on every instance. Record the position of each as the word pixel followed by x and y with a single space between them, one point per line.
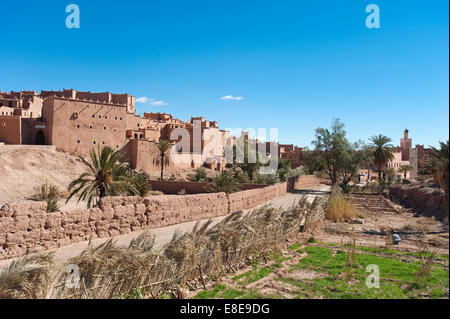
pixel 24 169
pixel 424 198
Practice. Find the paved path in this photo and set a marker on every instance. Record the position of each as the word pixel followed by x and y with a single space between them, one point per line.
pixel 164 235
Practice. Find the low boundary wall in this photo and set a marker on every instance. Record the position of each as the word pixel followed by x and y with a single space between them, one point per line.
pixel 27 227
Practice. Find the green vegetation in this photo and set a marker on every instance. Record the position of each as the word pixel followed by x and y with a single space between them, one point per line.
pixel 141 183
pixel 253 275
pixel 220 291
pixel 439 166
pixel 383 152
pixel 163 147
pixel 50 194
pixel 337 156
pixel 404 169
pixel 224 182
pixel 106 176
pixel 390 174
pixel 199 176
pixel 397 278
pixel 332 277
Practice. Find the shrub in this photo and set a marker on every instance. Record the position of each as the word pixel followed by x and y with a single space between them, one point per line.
pixel 141 183
pixel 224 182
pixel 50 194
pixel 243 178
pixel 267 179
pixel 339 208
pixel 294 172
pixel 199 176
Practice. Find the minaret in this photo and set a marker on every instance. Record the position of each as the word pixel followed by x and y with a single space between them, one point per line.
pixel 405 145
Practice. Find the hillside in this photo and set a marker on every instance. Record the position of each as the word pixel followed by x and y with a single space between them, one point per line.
pixel 25 168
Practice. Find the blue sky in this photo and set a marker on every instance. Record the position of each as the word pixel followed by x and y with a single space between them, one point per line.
pixel 296 64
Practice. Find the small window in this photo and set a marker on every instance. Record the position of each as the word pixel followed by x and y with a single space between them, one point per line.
pixel 78 141
pixel 115 130
pixel 78 125
pixel 121 119
pixel 94 142
pixel 117 146
pixel 90 127
pixel 93 115
pixel 104 127
pixel 103 143
pixel 99 116
pixel 106 116
pixel 115 118
pixel 138 125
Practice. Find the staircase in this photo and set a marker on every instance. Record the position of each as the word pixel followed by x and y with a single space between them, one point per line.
pixel 373 203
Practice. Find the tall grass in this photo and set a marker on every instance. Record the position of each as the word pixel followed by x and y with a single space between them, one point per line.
pixel 340 208
pixel 109 271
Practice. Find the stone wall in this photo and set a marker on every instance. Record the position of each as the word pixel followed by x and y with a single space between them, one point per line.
pixel 305 181
pixel 27 227
pixel 254 197
pixel 426 201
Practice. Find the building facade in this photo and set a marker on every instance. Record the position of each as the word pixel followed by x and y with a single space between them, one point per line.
pixel 76 122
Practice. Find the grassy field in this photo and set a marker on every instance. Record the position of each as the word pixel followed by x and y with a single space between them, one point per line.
pixel 333 275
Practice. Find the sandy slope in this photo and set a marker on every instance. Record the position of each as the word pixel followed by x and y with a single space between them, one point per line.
pixel 22 170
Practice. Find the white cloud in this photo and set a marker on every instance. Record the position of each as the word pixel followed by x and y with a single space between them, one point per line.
pixel 150 101
pixel 231 98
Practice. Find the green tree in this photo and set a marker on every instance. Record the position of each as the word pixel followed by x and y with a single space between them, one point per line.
pixel 383 152
pixel 163 147
pixel 390 173
pixel 312 161
pixel 141 182
pixel 284 165
pixel 106 176
pixel 335 155
pixel 355 155
pixel 404 169
pixel 439 164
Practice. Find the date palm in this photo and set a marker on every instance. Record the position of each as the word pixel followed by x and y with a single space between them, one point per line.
pixel 224 182
pixel 383 152
pixel 390 172
pixel 404 169
pixel 163 147
pixel 106 176
pixel 439 163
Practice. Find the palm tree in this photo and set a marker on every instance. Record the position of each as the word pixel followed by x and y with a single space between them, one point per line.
pixel 390 172
pixel 440 168
pixel 163 147
pixel 224 182
pixel 404 169
pixel 106 176
pixel 383 152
